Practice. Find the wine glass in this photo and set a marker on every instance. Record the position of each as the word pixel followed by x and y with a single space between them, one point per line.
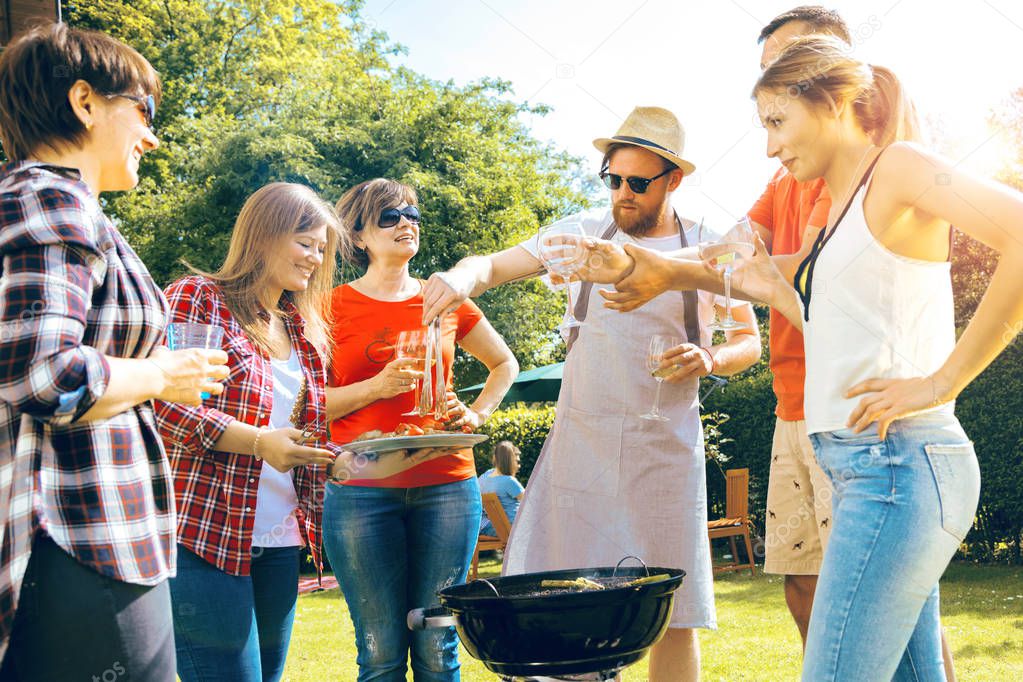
pixel 412 344
pixel 722 254
pixel 659 345
pixel 560 248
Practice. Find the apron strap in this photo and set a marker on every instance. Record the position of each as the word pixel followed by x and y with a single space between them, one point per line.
pixel 582 303
pixel 690 300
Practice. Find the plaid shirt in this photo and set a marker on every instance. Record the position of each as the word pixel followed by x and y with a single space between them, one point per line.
pixel 72 291
pixel 216 491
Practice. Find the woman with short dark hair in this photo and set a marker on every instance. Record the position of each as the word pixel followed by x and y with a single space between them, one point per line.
pixel 86 506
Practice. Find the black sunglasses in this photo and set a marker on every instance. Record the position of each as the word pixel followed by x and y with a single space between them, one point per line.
pixel 637 185
pixel 392 216
pixel 148 101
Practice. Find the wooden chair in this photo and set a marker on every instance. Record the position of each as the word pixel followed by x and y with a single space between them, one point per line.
pixel 502 526
pixel 736 521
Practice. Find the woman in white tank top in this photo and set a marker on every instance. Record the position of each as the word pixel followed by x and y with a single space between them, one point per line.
pixel 874 299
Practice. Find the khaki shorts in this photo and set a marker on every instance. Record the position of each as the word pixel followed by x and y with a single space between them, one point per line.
pixel 798 504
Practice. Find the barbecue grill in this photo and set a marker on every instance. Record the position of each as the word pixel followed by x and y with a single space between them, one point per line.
pixel 521 629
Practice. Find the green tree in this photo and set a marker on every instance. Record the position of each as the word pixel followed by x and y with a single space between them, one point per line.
pixel 267 90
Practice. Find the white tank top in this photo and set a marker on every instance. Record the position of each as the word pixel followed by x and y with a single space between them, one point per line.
pixel 872 314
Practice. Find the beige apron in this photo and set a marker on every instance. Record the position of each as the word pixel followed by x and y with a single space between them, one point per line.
pixel 609 484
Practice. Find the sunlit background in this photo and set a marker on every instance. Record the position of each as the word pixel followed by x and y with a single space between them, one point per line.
pixel 593 61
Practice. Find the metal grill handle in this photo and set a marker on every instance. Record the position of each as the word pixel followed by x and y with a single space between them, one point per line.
pixel 614 573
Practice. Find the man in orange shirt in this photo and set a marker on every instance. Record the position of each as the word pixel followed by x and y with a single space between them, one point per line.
pixel 788 216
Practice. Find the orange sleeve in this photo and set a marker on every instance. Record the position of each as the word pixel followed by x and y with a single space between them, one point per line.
pixel 469 314
pixel 763 210
pixel 821 207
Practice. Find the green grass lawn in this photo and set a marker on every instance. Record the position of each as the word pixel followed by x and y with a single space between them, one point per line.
pixel 982 609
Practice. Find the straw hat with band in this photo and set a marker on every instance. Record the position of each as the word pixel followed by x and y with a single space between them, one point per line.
pixel 655 129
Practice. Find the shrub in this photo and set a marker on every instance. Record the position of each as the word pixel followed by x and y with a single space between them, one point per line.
pixel 525 426
pixel 991 411
pixel 739 422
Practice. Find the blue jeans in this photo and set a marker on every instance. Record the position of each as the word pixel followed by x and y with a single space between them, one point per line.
pixel 234 628
pixel 392 549
pixel 901 508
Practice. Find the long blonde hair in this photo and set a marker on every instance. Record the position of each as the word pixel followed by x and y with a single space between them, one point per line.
pixel 271 215
pixel 819 69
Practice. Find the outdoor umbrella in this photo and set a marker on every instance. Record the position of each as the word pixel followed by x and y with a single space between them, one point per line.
pixel 541 384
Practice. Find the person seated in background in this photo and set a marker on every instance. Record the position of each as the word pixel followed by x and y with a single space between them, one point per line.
pixel 501 481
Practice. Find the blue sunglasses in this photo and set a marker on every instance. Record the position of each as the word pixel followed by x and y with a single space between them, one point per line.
pixel 147 101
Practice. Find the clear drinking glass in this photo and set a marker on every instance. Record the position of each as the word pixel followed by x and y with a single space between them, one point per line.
pixel 560 247
pixel 412 344
pixel 722 254
pixel 659 345
pixel 194 335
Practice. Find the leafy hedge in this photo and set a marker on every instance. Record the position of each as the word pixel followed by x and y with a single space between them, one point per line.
pixel 748 403
pixel 991 411
pixel 524 426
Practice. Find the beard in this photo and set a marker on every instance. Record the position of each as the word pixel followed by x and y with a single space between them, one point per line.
pixel 637 222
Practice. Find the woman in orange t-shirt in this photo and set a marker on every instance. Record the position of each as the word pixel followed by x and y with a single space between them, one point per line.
pixel 395 541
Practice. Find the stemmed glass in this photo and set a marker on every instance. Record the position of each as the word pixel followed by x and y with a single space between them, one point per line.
pixel 560 247
pixel 659 345
pixel 412 344
pixel 722 254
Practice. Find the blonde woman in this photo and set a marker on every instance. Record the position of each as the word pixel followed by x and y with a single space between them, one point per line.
pixel 248 486
pixel 883 366
pixel 873 299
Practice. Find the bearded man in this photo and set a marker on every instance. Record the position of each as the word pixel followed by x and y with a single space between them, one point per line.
pixel 609 483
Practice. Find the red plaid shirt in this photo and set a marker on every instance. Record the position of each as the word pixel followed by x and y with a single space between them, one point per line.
pixel 72 291
pixel 216 491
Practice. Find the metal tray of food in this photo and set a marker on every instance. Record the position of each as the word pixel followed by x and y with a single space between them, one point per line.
pixel 429 440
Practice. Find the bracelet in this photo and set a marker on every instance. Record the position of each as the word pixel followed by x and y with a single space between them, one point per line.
pixel 713 362
pixel 255 443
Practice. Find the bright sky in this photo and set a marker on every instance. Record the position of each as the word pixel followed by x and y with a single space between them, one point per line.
pixel 593 60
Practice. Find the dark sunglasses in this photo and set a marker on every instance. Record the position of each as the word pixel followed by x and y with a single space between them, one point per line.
pixel 637 185
pixel 392 216
pixel 148 101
